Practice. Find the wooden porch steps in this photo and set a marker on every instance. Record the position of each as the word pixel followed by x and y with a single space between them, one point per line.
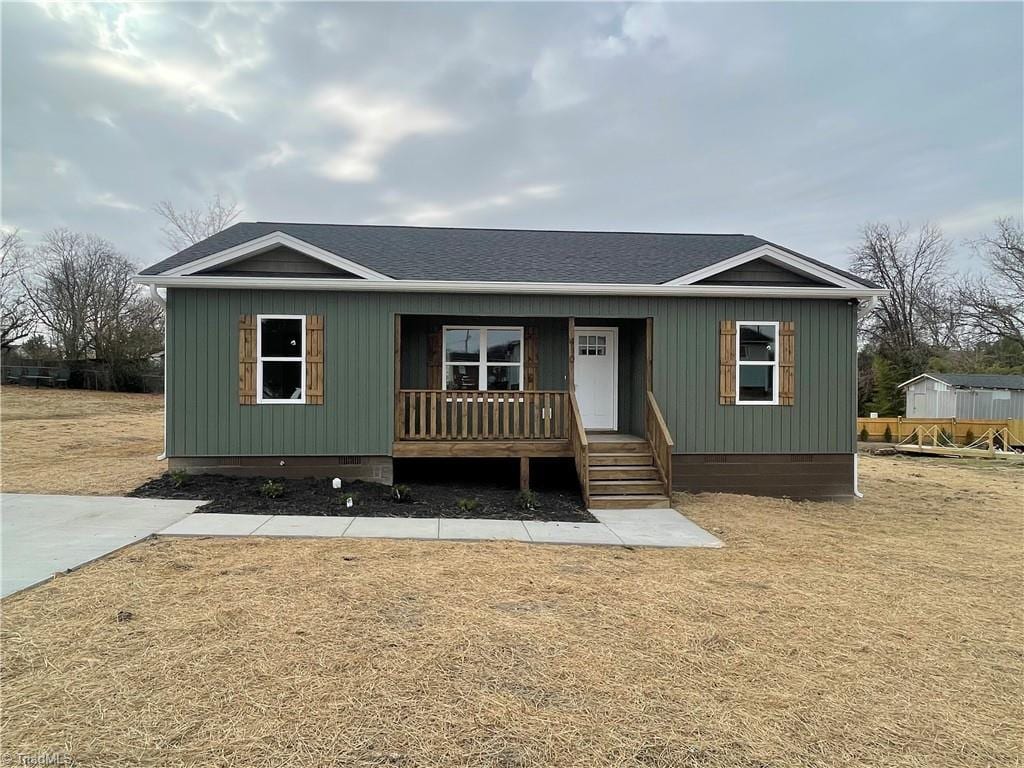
pixel 622 474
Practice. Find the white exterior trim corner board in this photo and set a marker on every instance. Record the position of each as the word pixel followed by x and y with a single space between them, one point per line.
pixel 260 359
pixel 771 253
pixel 758 363
pixel 265 243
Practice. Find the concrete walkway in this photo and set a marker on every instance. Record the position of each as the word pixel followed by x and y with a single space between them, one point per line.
pixel 43 535
pixel 633 527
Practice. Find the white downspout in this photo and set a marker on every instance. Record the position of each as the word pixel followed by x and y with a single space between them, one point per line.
pixel 162 301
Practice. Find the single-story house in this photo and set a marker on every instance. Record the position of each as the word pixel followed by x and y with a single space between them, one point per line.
pixel 649 362
pixel 964 396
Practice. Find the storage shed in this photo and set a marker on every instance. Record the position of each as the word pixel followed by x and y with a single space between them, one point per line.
pixel 964 396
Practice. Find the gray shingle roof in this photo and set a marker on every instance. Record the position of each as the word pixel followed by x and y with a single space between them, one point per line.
pixel 494 255
pixel 981 380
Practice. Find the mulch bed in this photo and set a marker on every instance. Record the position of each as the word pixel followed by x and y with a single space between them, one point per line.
pixel 243 495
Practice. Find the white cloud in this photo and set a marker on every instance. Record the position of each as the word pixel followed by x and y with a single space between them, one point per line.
pixel 110 200
pixel 124 42
pixel 377 124
pixel 432 214
pixel 971 221
pixel 557 81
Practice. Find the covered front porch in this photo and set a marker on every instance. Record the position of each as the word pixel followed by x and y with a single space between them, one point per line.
pixel 539 387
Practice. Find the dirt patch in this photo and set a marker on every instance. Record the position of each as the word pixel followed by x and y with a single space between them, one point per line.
pixel 886 632
pixel 78 442
pixel 244 495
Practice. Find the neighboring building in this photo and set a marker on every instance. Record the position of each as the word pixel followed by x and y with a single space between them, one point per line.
pixel 653 361
pixel 964 396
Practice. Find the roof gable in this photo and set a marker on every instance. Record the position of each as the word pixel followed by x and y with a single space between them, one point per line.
pixel 279 261
pixel 761 271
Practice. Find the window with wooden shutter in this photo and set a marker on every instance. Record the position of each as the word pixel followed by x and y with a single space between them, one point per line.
pixel 247 360
pixel 787 362
pixel 315 359
pixel 727 362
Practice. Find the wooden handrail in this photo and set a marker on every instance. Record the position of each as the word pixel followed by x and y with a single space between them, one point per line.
pixel 661 441
pixel 580 447
pixel 458 414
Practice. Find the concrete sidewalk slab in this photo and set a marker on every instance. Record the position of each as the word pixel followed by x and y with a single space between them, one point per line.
pixel 483 530
pixel 570 533
pixel 305 525
pixel 393 528
pixel 217 524
pixel 655 528
pixel 46 534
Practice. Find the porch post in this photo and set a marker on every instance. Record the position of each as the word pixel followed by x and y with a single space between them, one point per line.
pixel 649 359
pixel 524 473
pixel 398 415
pixel 572 355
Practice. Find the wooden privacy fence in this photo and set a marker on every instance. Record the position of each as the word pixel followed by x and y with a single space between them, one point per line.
pixel 429 414
pixel 901 428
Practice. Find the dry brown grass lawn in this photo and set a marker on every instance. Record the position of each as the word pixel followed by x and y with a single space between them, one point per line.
pixel 883 633
pixel 78 442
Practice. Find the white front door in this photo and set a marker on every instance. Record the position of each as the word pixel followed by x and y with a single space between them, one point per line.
pixel 597 375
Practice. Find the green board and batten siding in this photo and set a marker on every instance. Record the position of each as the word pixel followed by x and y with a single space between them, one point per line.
pixel 205 419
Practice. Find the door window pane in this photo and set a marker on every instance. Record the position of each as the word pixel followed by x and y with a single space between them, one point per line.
pixel 757 342
pixel 282 380
pixel 463 377
pixel 462 345
pixel 503 346
pixel 281 338
pixel 756 382
pixel 503 377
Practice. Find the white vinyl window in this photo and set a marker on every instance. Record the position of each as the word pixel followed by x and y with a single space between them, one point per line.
pixel 281 359
pixel 757 363
pixel 483 359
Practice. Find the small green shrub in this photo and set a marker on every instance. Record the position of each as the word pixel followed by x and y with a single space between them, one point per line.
pixel 945 438
pixel 864 436
pixel 466 506
pixel 969 437
pixel 401 494
pixel 888 434
pixel 272 489
pixel 178 477
pixel 526 500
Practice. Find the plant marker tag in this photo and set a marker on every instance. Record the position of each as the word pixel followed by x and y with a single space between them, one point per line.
pixel 336 482
pixel 348 502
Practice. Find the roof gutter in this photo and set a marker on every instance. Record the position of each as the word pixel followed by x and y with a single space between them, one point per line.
pixel 459 286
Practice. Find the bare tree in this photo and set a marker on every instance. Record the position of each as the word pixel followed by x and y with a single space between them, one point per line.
pixel 994 304
pixel 186 227
pixel 81 292
pixel 913 267
pixel 16 321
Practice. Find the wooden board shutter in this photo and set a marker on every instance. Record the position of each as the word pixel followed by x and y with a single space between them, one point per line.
pixel 434 344
pixel 314 359
pixel 247 360
pixel 787 357
pixel 531 354
pixel 727 362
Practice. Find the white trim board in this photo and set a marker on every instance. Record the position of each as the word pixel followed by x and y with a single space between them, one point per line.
pixel 265 243
pixel 470 286
pixel 774 254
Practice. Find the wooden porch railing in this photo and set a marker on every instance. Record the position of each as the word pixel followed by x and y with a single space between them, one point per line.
pixel 580 447
pixel 431 414
pixel 661 441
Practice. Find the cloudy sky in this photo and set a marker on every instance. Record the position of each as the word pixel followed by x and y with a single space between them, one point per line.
pixel 796 122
